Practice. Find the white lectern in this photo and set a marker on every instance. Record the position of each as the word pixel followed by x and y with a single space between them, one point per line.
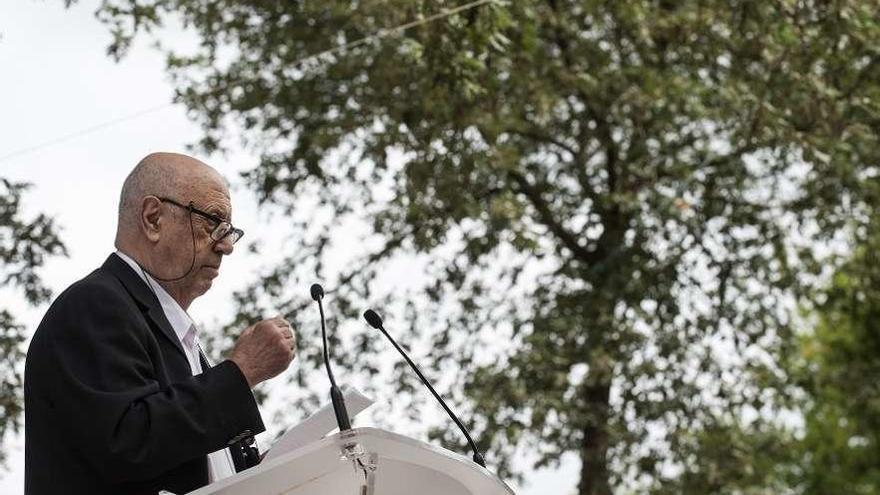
pixel 364 461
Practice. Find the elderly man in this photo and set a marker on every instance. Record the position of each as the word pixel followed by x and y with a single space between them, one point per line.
pixel 119 398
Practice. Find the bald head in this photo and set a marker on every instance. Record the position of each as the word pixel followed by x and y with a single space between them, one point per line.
pixel 169 175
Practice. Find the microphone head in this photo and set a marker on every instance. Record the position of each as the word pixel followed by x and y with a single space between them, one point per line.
pixel 373 319
pixel 317 292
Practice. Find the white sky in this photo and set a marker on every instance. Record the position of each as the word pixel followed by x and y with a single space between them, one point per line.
pixel 56 80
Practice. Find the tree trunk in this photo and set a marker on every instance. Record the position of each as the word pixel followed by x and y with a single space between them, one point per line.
pixel 594 444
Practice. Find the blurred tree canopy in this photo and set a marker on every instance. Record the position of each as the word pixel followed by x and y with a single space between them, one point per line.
pixel 618 206
pixel 837 367
pixel 25 244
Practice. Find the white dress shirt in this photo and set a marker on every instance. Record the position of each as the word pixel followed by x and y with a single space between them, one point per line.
pixel 220 463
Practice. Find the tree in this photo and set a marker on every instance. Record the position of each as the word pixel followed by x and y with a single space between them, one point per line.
pixel 25 244
pixel 835 375
pixel 615 203
pixel 839 373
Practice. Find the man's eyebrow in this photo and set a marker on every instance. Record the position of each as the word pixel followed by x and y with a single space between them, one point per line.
pixel 218 212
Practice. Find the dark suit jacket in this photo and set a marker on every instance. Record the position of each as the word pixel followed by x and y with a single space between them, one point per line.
pixel 111 406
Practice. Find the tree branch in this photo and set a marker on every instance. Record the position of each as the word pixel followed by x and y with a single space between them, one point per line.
pixel 537 136
pixel 569 239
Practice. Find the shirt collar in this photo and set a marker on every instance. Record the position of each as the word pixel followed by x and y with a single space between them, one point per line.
pixel 177 316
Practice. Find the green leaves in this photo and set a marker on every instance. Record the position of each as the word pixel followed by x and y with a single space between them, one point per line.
pixel 839 373
pixel 25 245
pixel 636 191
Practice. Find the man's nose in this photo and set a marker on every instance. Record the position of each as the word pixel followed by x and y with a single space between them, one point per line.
pixel 224 245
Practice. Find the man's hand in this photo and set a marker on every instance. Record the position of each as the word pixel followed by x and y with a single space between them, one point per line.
pixel 264 350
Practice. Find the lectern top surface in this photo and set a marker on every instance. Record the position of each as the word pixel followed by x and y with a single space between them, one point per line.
pixel 402 465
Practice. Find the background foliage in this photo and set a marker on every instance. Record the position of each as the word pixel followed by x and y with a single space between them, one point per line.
pixel 608 212
pixel 838 369
pixel 25 244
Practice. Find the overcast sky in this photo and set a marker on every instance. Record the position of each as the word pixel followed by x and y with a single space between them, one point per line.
pixel 56 81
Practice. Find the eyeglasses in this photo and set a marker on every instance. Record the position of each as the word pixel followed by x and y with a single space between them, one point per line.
pixel 221 230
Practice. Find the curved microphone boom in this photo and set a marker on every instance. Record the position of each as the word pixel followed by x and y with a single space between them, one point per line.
pixel 342 419
pixel 375 321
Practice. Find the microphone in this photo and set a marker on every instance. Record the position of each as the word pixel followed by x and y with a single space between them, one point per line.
pixel 375 321
pixel 317 292
pixel 342 419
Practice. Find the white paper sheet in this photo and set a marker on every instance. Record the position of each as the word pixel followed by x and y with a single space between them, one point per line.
pixel 320 423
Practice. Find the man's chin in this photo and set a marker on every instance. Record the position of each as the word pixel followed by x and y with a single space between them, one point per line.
pixel 204 285
pixel 211 271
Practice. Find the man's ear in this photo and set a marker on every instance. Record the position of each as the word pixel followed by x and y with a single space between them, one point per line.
pixel 151 218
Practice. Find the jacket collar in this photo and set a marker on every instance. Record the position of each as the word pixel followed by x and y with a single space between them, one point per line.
pixel 144 297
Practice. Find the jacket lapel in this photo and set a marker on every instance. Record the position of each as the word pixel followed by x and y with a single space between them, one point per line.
pixel 204 360
pixel 144 297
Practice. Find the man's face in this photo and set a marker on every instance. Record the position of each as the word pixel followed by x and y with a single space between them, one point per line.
pixel 190 244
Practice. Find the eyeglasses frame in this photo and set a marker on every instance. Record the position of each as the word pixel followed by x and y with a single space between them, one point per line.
pixel 192 209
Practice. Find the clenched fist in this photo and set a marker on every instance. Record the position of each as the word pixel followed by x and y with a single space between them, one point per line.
pixel 264 350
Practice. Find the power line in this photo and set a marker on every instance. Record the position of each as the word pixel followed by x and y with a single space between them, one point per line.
pixel 381 34
pixel 83 132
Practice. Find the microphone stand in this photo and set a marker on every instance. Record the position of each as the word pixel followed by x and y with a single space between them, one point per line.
pixel 375 321
pixel 342 419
